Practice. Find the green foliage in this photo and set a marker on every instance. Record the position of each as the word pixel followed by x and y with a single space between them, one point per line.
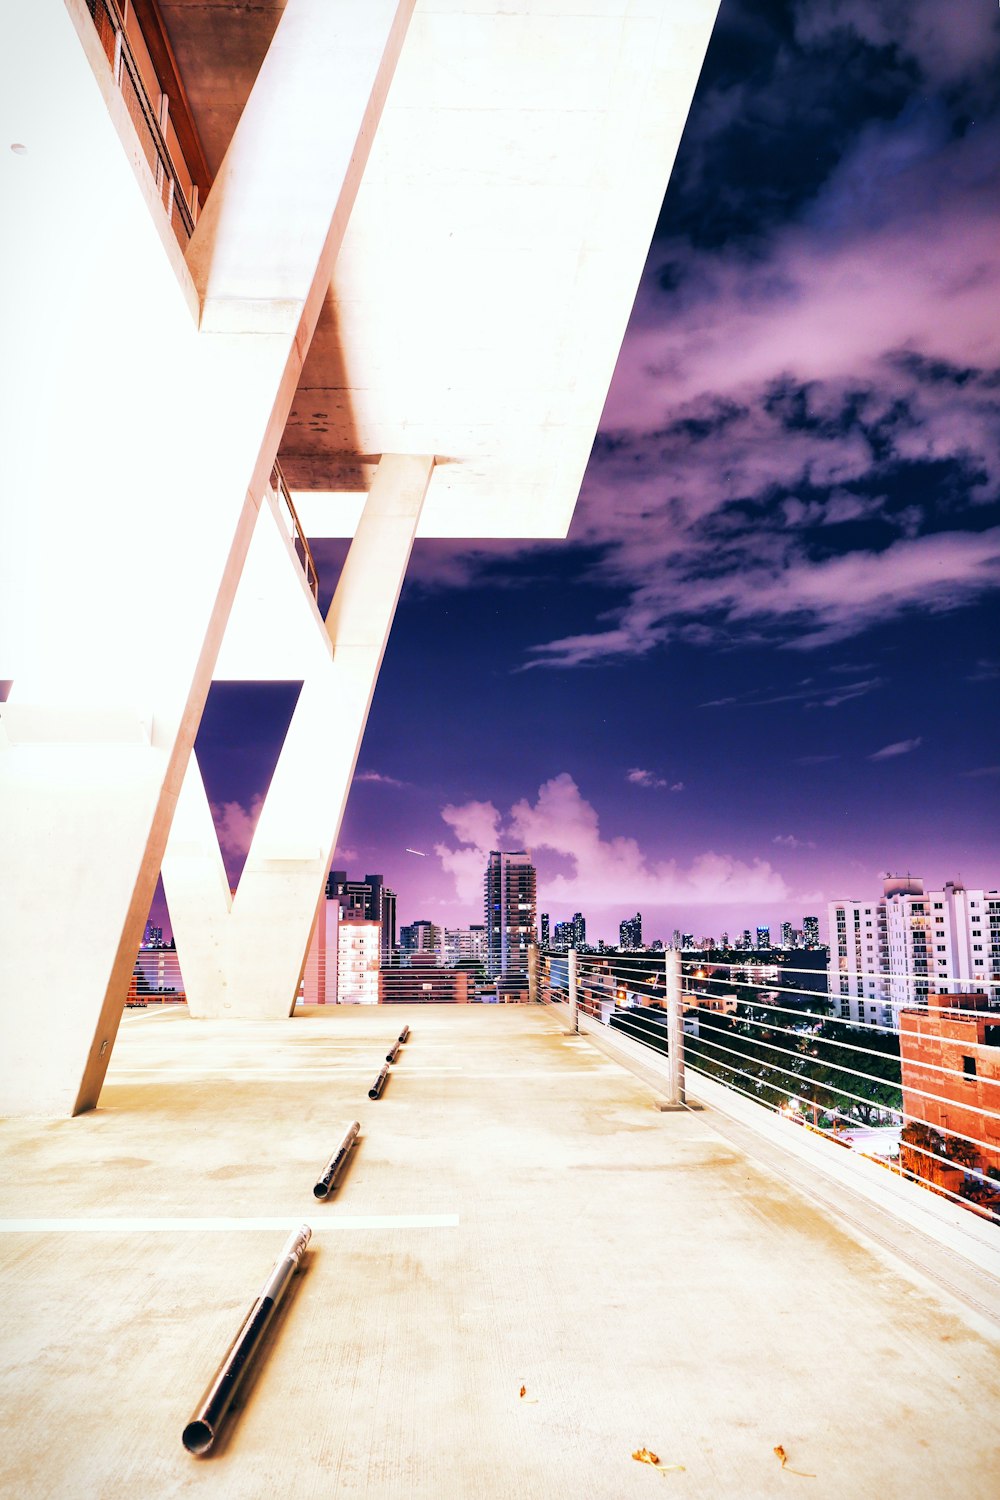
pixel 844 1071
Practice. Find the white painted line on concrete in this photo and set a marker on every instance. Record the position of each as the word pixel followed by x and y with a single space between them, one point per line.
pixel 275 1075
pixel 201 1226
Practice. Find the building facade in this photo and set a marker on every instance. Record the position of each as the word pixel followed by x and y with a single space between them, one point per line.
pixel 372 898
pixel 509 895
pixel 420 937
pixel 319 978
pixel 359 951
pixel 630 932
pixel 424 982
pixel 950 1058
pixel 890 952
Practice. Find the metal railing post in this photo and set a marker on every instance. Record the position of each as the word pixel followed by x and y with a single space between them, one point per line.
pixel 533 973
pixel 573 1018
pixel 675 1030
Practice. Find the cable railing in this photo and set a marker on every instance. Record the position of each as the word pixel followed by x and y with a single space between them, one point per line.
pixel 150 122
pixel 300 541
pixel 921 1097
pixel 156 979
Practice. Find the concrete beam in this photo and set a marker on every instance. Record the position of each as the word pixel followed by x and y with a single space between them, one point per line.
pixel 243 956
pixel 131 530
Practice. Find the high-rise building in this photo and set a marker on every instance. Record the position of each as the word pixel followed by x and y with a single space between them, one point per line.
pixel 786 934
pixel 675 941
pixel 763 937
pixel 543 929
pixel 630 932
pixel 579 925
pixel 509 887
pixel 889 952
pixel 745 939
pixel 464 944
pixel 724 940
pixel 372 898
pixel 687 940
pixel 421 937
pixel 153 936
pixel 810 932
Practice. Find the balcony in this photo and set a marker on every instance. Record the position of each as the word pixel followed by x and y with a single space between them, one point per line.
pixel 517 1214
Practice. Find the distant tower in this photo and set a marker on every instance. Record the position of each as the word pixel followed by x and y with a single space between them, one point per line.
pixel 763 937
pixel 810 931
pixel 630 932
pixel 509 905
pixel 543 923
pixel 579 930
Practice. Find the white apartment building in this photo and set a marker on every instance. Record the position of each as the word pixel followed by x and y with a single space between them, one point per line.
pixel 359 951
pixel 464 943
pixel 889 952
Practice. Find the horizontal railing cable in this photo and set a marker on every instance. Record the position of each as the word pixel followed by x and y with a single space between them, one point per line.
pixel 882 974
pixel 832 1136
pixel 849 1046
pixel 706 1055
pixel 986 1114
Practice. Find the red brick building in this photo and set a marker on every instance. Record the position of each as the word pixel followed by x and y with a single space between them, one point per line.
pixel 951 1051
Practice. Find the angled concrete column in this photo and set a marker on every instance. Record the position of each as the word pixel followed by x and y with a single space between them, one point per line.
pixel 244 956
pixel 137 449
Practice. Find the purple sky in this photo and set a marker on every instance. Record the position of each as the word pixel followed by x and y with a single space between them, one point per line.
pixel 764 668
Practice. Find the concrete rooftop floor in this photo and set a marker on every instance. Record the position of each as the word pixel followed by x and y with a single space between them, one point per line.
pixel 648 1283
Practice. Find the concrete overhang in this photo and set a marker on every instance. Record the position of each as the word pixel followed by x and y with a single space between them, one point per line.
pixel 493 253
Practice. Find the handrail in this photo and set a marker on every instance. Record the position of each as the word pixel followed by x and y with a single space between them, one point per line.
pixel 110 27
pixel 931 1111
pixel 280 487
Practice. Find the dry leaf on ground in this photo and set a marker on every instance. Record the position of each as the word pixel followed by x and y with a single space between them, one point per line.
pixel 644 1456
pixel 779 1452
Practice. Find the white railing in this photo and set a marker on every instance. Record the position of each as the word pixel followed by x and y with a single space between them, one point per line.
pixel 149 120
pixel 156 979
pixel 923 1101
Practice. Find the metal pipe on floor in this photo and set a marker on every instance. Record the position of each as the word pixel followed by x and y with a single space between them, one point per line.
pixel 327 1179
pixel 379 1083
pixel 210 1414
pixel 404 1035
pixel 392 1053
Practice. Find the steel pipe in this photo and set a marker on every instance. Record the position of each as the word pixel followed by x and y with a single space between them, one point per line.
pixel 327 1180
pixel 392 1053
pixel 204 1427
pixel 379 1083
pixel 404 1035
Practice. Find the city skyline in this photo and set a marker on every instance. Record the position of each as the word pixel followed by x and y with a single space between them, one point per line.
pixel 762 673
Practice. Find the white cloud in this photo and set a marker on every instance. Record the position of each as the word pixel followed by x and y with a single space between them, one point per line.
pixel 235 824
pixel 476 825
pixel 638 777
pixel 791 842
pixel 376 776
pixel 600 871
pixel 898 747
